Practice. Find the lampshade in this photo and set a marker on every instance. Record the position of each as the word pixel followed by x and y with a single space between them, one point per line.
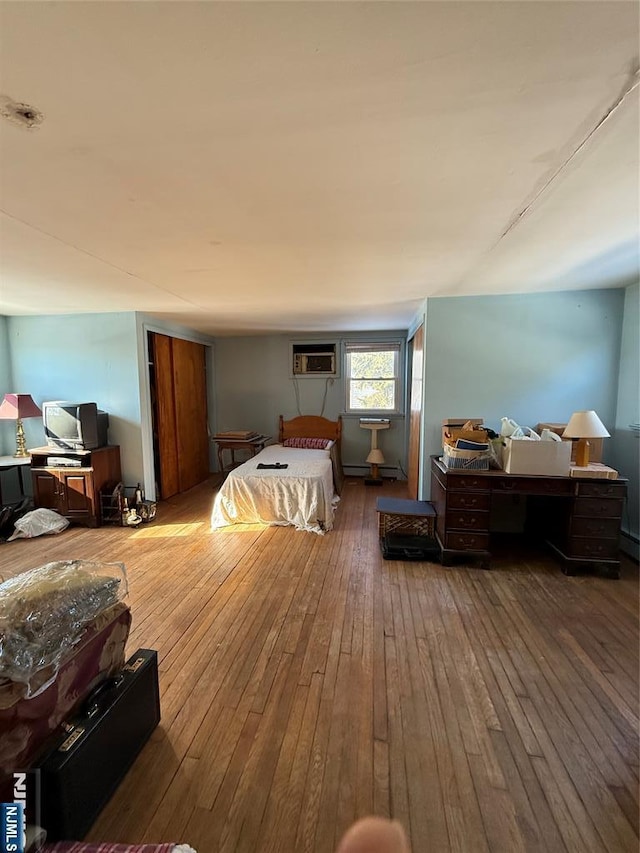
pixel 18 406
pixel 15 407
pixel 375 456
pixel 585 425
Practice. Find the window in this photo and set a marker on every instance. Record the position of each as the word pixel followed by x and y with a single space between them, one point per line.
pixel 372 372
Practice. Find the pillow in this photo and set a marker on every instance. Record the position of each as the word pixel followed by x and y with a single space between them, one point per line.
pixel 308 443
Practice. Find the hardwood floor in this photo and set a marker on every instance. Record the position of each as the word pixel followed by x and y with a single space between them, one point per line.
pixel 306 681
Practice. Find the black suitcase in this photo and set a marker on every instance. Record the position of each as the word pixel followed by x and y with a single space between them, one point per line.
pixel 397 547
pixel 101 743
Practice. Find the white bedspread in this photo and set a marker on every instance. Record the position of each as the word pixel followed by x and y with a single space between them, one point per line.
pixel 301 495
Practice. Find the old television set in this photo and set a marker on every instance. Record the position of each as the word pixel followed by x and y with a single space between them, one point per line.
pixel 74 426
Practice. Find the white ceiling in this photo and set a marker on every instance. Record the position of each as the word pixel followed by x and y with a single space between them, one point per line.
pixel 243 167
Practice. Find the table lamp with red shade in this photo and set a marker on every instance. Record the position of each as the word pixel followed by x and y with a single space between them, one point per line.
pixel 15 407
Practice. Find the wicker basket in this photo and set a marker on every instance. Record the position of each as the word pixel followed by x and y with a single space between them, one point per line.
pixel 469 460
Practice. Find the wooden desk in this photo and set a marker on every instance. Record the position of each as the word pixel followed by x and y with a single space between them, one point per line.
pixel 579 517
pixel 18 462
pixel 252 445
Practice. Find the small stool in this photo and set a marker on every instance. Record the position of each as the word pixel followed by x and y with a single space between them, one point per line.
pixel 407 529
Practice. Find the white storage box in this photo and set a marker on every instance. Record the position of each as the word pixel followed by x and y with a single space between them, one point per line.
pixel 552 458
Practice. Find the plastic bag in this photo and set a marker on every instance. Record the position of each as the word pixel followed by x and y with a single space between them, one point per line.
pixel 38 522
pixel 508 426
pixel 496 446
pixel 43 613
pixel 525 433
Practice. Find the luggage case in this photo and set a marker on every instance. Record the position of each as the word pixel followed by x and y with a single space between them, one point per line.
pixel 396 547
pixel 99 745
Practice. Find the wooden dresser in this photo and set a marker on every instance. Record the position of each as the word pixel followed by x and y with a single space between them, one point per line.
pixel 579 518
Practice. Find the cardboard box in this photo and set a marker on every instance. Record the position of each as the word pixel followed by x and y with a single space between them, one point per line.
pixel 552 458
pixel 452 429
pixel 595 444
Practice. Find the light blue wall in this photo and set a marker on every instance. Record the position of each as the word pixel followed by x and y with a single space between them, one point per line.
pixel 625 443
pixel 254 386
pixel 7 428
pixel 83 357
pixel 536 357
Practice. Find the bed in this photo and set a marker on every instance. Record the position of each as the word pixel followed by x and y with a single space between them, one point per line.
pixel 303 494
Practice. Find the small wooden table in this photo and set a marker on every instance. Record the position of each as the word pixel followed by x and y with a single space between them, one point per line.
pixel 252 445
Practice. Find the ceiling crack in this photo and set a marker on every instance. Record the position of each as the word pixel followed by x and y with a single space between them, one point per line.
pixel 632 83
pixel 97 258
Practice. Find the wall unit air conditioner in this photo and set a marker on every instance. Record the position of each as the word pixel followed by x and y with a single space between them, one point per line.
pixel 313 359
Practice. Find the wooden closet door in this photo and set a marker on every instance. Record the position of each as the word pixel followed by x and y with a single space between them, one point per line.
pixel 181 440
pixel 165 417
pixel 415 416
pixel 190 396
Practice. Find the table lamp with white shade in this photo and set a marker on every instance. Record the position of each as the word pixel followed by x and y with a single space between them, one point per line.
pixel 583 426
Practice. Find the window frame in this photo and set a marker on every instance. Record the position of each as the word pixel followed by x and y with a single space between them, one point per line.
pixel 395 345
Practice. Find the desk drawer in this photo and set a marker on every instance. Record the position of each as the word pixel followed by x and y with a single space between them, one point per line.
pixel 604 528
pixel 467 482
pixel 468 500
pixel 467 541
pixel 460 519
pixel 604 489
pixel 533 486
pixel 598 507
pixel 604 549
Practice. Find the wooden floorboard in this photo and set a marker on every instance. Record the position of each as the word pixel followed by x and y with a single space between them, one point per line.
pixel 306 681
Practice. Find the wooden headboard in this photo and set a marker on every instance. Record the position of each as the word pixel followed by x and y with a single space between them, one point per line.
pixel 310 426
pixel 313 426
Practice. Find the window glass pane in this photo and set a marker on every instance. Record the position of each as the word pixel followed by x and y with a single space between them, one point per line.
pixel 372 394
pixel 372 374
pixel 373 365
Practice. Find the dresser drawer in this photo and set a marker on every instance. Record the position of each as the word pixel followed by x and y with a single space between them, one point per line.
pixel 604 549
pixel 462 519
pixel 468 500
pixel 598 507
pixel 605 528
pixel 602 489
pixel 467 541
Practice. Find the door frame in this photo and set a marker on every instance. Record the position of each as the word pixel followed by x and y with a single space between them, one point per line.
pixel 412 425
pixel 143 326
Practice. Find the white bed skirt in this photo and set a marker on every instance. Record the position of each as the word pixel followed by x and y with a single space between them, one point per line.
pixel 301 494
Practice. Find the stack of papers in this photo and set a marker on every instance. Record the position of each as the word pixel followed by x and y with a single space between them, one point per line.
pixel 595 470
pixel 241 435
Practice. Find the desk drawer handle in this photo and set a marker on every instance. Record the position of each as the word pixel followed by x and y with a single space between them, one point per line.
pixel 470 484
pixel 463 521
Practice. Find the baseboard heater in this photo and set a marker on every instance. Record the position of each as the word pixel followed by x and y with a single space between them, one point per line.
pixel 389 472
